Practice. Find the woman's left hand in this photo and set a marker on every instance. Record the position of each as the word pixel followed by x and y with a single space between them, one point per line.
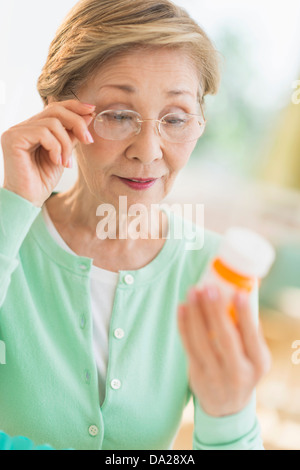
pixel 226 361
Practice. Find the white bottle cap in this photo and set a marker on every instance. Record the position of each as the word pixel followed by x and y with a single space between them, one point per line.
pixel 246 252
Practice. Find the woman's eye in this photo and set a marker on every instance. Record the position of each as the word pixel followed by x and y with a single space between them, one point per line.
pixel 116 117
pixel 175 120
pixel 121 117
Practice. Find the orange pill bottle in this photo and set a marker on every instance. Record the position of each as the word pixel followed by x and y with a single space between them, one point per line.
pixel 243 260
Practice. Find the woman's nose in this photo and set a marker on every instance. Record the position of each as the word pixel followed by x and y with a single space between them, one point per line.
pixel 147 144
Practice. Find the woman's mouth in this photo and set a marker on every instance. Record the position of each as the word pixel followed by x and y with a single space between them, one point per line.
pixel 138 184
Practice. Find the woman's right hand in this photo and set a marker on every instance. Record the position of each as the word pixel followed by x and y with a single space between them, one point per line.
pixel 37 150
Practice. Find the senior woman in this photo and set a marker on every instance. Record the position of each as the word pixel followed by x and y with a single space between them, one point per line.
pixel 106 339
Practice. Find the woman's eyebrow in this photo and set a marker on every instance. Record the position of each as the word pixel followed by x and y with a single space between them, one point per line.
pixel 131 90
pixel 179 92
pixel 126 88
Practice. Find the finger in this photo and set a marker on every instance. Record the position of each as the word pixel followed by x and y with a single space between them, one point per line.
pixel 42 136
pixel 253 340
pixel 201 346
pixel 194 363
pixel 212 334
pixel 200 334
pixel 183 326
pixel 214 307
pixel 73 105
pixel 64 138
pixel 72 122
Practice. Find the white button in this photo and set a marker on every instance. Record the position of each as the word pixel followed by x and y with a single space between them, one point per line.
pixel 119 333
pixel 129 279
pixel 115 384
pixel 83 267
pixel 93 431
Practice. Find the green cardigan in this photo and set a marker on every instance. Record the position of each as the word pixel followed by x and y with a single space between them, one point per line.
pixel 48 384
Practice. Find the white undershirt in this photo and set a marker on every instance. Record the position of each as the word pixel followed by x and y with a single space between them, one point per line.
pixel 103 286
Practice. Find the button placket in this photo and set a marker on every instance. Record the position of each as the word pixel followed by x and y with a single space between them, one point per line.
pixel 86 367
pixel 113 383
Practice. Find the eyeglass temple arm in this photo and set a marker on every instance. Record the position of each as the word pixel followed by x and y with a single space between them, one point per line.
pixel 202 111
pixel 75 95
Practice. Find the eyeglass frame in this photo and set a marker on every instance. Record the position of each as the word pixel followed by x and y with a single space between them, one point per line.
pixel 140 121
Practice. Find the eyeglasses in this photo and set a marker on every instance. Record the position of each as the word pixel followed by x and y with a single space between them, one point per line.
pixel 178 127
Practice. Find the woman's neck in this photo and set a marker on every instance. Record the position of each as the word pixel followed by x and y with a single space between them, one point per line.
pixel 78 225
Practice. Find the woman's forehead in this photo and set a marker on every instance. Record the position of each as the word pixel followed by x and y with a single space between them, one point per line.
pixel 173 72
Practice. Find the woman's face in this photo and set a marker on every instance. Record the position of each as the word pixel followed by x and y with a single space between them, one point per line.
pixel 153 84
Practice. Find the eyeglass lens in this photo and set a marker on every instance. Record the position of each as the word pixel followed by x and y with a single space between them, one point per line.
pixel 174 127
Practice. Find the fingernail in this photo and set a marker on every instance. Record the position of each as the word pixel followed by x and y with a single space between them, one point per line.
pixel 89 137
pixel 70 163
pixel 89 105
pixel 59 160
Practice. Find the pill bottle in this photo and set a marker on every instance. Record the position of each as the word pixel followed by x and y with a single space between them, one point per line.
pixel 244 258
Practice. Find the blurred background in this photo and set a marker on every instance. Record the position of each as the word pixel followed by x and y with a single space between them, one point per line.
pixel 245 169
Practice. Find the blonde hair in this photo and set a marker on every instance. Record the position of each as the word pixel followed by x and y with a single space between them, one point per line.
pixel 96 31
